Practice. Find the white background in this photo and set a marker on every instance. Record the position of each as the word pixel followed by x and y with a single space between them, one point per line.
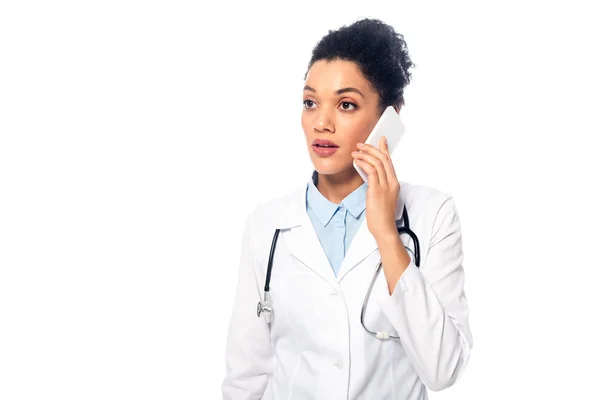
pixel 136 136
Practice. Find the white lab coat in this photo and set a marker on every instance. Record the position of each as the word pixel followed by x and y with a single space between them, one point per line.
pixel 315 346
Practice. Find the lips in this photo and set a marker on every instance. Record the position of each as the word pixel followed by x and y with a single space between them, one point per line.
pixel 324 148
pixel 324 143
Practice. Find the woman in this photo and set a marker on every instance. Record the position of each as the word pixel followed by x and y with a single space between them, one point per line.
pixel 333 232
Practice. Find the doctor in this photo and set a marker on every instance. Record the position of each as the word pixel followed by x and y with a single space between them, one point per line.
pixel 334 231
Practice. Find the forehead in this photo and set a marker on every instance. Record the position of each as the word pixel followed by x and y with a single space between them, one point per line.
pixel 328 76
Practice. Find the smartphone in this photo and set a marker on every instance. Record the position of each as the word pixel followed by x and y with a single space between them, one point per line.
pixel 389 125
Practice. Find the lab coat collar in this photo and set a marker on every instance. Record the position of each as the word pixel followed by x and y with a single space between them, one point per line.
pixel 303 243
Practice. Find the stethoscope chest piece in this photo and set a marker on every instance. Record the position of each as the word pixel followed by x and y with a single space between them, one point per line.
pixel 259 309
pixel 265 308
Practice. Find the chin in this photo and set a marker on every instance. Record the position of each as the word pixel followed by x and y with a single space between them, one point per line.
pixel 331 167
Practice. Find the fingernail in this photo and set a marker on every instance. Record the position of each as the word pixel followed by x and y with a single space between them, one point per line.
pixel 360 144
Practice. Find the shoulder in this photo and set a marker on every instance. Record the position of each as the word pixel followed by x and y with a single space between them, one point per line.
pixel 273 207
pixel 427 202
pixel 419 194
pixel 267 215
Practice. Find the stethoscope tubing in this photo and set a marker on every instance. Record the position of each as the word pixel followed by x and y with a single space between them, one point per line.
pixel 266 307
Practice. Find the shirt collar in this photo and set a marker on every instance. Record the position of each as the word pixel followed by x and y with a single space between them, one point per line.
pixel 324 209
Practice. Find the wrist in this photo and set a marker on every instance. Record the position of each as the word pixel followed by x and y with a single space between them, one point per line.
pixel 387 237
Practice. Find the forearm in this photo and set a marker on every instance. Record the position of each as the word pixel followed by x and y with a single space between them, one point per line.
pixel 394 257
pixel 428 307
pixel 437 341
pixel 249 356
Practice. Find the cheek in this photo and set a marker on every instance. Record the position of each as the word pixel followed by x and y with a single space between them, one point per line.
pixel 357 131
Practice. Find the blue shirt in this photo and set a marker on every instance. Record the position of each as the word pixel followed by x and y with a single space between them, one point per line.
pixel 335 224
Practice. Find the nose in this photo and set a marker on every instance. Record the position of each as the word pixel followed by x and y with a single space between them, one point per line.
pixel 323 121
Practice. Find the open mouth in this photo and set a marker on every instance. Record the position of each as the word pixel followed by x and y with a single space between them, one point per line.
pixel 324 148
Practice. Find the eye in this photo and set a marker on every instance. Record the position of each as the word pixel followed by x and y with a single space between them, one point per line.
pixel 308 103
pixel 347 103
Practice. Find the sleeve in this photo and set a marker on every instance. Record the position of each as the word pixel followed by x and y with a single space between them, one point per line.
pixel 248 356
pixel 428 307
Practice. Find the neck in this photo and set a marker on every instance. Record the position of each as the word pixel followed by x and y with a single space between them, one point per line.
pixel 336 187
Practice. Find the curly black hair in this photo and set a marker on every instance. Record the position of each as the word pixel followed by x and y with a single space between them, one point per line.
pixel 378 50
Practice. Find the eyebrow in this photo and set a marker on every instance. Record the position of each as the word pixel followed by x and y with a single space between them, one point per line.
pixel 339 91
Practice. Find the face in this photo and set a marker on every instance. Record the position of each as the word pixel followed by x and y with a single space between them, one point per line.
pixel 340 110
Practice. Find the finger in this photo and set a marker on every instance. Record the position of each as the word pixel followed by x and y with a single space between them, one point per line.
pixel 391 171
pixel 372 179
pixel 384 158
pixel 376 164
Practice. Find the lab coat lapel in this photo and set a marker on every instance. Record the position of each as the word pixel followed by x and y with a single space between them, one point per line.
pixel 363 244
pixel 301 238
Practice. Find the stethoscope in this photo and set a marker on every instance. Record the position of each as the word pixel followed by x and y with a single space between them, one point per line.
pixel 265 307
